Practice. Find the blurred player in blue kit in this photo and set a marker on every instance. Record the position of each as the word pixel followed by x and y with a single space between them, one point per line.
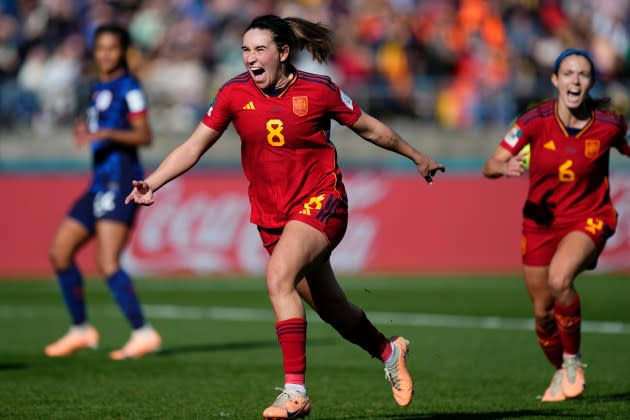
pixel 116 125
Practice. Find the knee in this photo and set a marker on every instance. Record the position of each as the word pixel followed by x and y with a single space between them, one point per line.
pixel 107 266
pixel 59 259
pixel 559 283
pixel 278 279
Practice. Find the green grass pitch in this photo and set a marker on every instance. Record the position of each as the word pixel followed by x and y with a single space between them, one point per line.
pixel 473 354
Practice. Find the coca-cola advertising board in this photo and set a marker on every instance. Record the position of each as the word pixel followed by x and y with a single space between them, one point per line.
pixel 199 225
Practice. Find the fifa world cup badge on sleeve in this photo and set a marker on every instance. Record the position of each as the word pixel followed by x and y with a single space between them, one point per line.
pixel 346 100
pixel 513 136
pixel 209 113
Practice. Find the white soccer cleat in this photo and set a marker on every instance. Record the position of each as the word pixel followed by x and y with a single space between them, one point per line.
pixel 78 337
pixel 143 341
pixel 397 373
pixel 288 405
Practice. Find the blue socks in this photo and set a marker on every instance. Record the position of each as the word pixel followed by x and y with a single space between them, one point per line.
pixel 120 285
pixel 124 293
pixel 71 283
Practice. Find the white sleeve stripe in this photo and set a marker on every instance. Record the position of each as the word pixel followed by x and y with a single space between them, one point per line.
pixel 136 101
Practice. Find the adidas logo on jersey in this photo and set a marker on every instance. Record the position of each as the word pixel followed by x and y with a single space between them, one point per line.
pixel 550 145
pixel 249 105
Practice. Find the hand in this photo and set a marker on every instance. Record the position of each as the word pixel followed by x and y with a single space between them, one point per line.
pixel 514 167
pixel 428 168
pixel 82 135
pixel 142 193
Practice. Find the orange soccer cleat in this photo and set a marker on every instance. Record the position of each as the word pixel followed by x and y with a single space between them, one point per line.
pixel 77 338
pixel 397 374
pixel 573 380
pixel 143 341
pixel 288 405
pixel 554 393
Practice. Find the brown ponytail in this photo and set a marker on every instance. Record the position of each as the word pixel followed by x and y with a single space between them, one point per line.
pixel 315 37
pixel 298 34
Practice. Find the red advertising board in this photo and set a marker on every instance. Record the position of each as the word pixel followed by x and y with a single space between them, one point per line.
pixel 200 225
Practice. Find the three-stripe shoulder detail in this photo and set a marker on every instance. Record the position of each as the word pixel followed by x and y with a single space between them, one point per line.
pixel 317 78
pixel 241 78
pixel 543 110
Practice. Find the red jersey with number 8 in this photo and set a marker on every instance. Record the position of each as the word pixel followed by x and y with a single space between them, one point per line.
pixel 286 150
pixel 568 177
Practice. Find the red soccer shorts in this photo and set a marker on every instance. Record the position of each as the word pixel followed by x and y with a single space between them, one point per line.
pixel 539 244
pixel 326 213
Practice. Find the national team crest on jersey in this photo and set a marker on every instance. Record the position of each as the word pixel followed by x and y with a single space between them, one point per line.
pixel 591 148
pixel 300 105
pixel 103 100
pixel 513 136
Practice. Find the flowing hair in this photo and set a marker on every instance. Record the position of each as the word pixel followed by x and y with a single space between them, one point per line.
pixel 298 34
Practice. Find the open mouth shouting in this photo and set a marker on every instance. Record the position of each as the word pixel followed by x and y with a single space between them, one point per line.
pixel 258 74
pixel 574 96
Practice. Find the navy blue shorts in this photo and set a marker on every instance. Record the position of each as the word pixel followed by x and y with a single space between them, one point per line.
pixel 104 205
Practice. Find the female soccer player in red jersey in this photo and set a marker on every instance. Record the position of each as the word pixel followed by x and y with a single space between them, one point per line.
pixel 296 192
pixel 568 215
pixel 116 126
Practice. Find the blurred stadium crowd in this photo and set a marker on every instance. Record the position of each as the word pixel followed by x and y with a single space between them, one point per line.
pixel 461 63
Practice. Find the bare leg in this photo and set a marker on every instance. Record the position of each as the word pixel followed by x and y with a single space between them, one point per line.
pixel 299 247
pixel 537 282
pixel 70 237
pixel 574 253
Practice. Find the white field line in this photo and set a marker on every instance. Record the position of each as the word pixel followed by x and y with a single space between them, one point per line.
pixel 197 313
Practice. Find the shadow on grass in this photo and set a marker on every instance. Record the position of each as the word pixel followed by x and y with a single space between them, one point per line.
pixel 618 396
pixel 12 366
pixel 488 415
pixel 235 345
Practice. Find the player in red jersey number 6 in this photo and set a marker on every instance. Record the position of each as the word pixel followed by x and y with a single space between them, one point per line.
pixel 568 215
pixel 298 201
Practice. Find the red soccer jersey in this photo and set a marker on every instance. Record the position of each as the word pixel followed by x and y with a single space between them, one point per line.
pixel 568 177
pixel 286 151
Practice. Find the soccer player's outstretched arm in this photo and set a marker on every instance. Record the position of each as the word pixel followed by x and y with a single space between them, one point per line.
pixel 503 163
pixel 380 134
pixel 176 163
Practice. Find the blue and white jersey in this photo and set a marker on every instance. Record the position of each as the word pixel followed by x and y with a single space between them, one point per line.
pixel 112 104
